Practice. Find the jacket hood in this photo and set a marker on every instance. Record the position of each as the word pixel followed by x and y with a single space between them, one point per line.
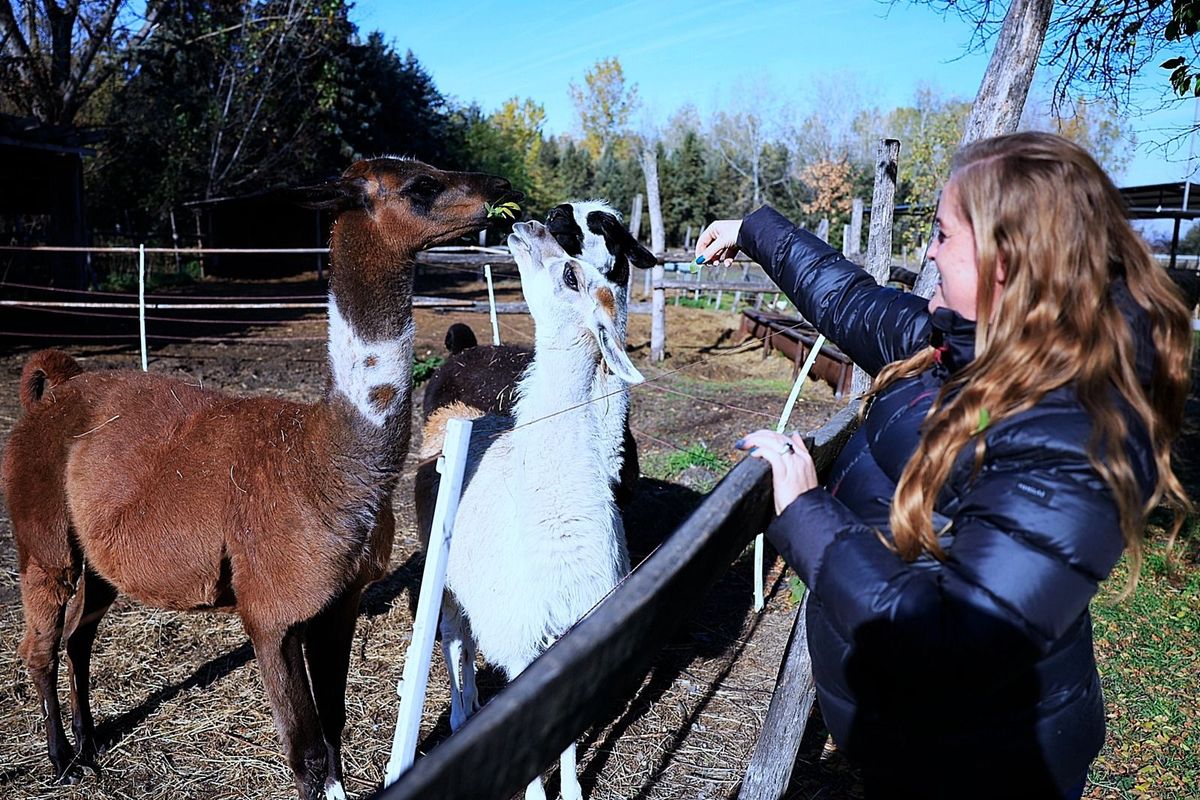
pixel 954 338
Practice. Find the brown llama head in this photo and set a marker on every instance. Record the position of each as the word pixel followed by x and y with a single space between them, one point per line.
pixel 387 210
pixel 411 204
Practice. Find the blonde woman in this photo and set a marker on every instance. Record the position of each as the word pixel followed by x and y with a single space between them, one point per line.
pixel 1018 430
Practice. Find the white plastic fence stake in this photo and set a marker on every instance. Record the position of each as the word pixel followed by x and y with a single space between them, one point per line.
pixel 415 677
pixel 795 393
pixel 783 420
pixel 487 273
pixel 142 302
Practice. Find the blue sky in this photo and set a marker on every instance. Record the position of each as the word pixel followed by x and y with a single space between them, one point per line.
pixel 705 52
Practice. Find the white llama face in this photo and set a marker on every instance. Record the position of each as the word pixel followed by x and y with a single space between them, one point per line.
pixel 592 230
pixel 567 293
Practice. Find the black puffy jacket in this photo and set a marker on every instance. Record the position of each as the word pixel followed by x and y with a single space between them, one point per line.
pixel 972 677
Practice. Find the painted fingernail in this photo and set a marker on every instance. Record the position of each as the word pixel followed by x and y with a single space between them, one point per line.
pixel 739 443
pixel 699 259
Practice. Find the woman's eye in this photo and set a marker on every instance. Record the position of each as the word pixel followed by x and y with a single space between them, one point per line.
pixel 569 278
pixel 941 237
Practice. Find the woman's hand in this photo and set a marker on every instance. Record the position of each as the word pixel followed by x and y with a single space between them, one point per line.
pixel 718 242
pixel 792 470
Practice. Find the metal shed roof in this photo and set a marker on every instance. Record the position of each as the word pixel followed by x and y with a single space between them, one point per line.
pixel 1163 200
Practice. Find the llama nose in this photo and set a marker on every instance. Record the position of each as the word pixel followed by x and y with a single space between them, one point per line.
pixel 502 188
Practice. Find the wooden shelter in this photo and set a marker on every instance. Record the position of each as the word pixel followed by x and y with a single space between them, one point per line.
pixel 41 192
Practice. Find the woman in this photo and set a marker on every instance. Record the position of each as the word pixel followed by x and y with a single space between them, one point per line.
pixel 1018 430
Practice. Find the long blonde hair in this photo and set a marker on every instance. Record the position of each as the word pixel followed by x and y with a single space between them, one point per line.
pixel 1041 207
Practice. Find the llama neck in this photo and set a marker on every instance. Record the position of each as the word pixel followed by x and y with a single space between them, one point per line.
pixel 369 391
pixel 372 375
pixel 610 408
pixel 558 385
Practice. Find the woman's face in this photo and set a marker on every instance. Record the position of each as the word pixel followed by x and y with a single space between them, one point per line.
pixel 953 250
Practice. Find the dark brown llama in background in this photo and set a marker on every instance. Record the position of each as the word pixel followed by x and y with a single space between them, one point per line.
pixel 190 499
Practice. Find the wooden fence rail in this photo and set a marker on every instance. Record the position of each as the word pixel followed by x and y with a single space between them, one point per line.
pixel 607 654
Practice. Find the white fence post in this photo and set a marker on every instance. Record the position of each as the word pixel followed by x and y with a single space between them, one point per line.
pixel 759 601
pixel 487 273
pixel 415 678
pixel 142 303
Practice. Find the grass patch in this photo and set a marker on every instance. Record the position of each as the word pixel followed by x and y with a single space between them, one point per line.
pixel 127 281
pixel 1148 649
pixel 669 466
pixel 423 368
pixel 717 389
pixel 708 301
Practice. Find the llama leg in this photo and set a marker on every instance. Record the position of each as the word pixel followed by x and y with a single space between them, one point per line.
pixel 327 644
pixel 470 694
pixel 84 613
pixel 535 790
pixel 458 650
pixel 568 777
pixel 44 596
pixel 281 660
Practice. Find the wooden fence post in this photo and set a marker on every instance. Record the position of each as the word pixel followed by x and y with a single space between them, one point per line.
pixel 856 220
pixel 635 217
pixel 658 316
pixel 879 239
pixel 773 758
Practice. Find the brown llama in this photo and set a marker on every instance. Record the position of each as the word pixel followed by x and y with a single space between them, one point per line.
pixel 190 499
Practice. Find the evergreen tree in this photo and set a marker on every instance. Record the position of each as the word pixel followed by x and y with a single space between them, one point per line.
pixel 391 106
pixel 689 197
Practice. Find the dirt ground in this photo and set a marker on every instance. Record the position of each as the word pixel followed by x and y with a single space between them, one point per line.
pixel 179 697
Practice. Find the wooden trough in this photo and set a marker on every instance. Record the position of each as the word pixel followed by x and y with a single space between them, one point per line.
pixel 795 339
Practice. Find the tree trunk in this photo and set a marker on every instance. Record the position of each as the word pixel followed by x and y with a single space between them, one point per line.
pixel 879 237
pixel 658 236
pixel 1005 85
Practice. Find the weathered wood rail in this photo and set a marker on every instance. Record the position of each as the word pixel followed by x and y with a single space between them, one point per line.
pixel 607 654
pixel 795 339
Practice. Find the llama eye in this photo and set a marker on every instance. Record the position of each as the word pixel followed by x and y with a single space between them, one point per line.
pixel 424 188
pixel 569 278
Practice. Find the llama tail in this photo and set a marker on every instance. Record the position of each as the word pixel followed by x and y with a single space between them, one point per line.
pixel 45 370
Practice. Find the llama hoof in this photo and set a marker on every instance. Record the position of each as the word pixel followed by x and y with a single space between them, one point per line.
pixel 334 790
pixel 74 771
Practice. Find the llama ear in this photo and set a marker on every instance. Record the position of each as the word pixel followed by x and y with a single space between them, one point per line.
pixel 338 195
pixel 640 255
pixel 619 240
pixel 617 359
